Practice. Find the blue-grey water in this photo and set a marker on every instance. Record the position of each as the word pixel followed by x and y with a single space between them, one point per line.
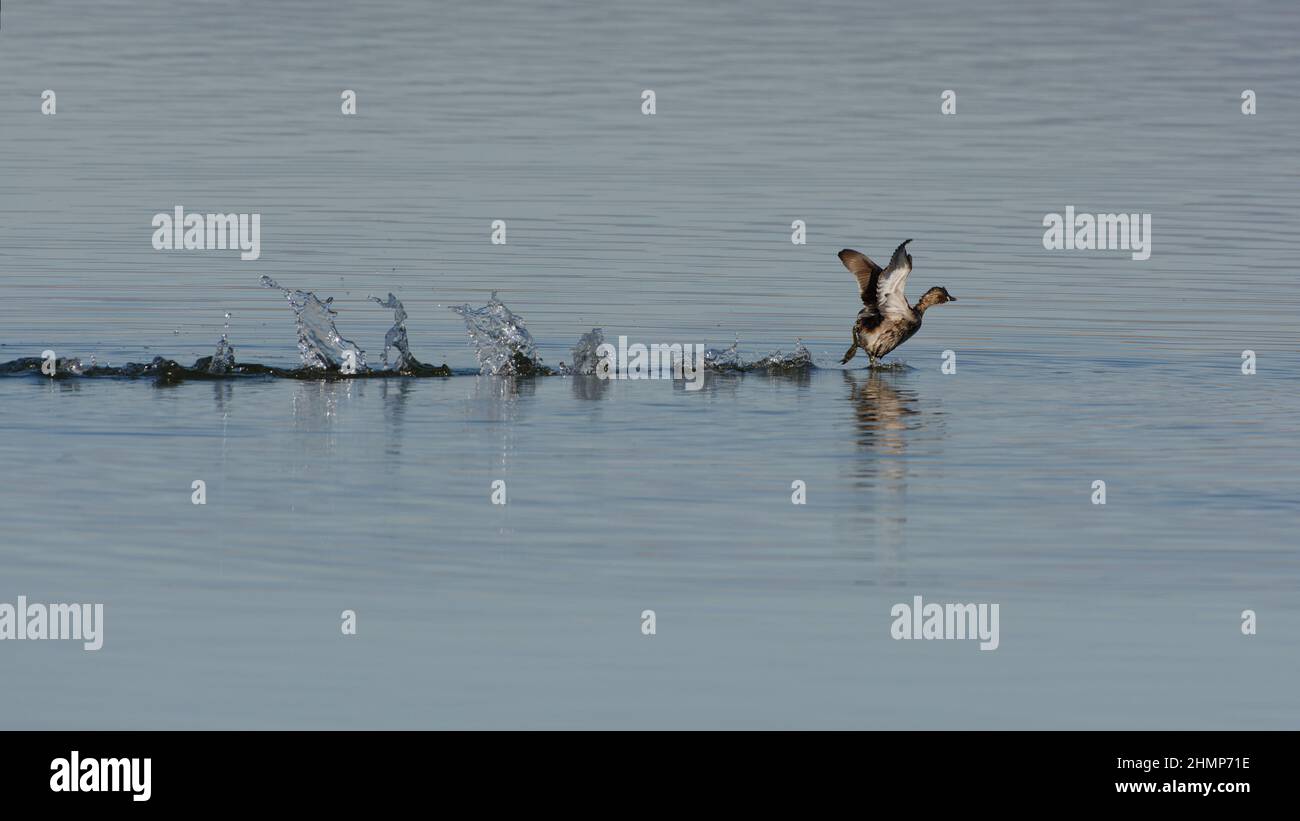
pixel 375 495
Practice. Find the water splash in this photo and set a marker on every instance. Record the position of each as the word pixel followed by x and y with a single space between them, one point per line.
pixel 501 342
pixel 800 359
pixel 319 343
pixel 730 360
pixel 396 336
pixel 724 360
pixel 584 353
pixel 224 358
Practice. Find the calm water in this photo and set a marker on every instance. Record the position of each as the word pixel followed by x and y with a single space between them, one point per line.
pixel 374 495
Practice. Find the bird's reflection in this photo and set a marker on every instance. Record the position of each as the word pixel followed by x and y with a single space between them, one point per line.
pixel 886 418
pixel 882 416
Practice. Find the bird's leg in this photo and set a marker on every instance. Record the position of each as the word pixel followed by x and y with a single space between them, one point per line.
pixel 874 361
pixel 853 349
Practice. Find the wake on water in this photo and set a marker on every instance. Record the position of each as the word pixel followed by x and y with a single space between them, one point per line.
pixel 502 345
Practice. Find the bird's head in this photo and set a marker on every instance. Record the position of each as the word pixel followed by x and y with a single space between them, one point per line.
pixel 934 296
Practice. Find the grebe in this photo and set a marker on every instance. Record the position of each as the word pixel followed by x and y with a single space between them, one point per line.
pixel 887 321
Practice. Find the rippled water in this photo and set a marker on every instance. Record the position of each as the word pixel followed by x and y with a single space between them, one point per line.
pixel 375 494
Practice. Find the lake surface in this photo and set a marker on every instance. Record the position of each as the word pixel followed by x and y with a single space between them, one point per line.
pixel 374 495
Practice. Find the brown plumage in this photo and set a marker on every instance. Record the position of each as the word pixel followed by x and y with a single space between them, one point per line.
pixel 887 321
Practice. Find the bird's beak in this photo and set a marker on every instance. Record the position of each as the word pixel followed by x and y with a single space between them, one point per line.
pixel 952 298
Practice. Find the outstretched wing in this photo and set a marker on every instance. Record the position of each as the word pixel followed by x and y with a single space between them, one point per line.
pixel 864 271
pixel 890 298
